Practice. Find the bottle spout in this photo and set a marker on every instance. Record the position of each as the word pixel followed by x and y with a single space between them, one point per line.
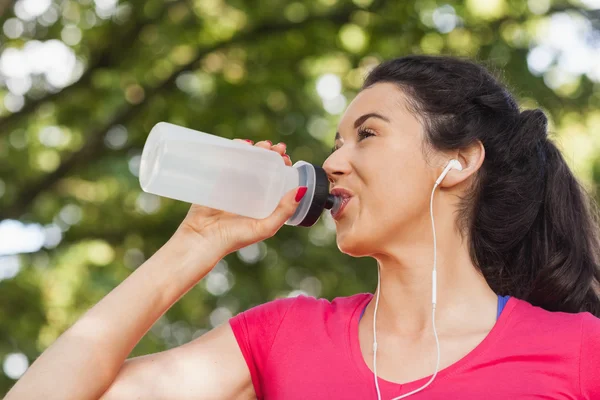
pixel 333 202
pixel 330 202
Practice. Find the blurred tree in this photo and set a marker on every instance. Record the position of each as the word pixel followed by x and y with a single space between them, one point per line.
pixel 83 82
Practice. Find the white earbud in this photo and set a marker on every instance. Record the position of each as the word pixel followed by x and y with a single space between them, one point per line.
pixel 452 164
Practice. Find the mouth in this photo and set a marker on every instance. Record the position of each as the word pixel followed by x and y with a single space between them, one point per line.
pixel 345 196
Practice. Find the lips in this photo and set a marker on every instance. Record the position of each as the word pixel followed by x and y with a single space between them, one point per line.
pixel 346 196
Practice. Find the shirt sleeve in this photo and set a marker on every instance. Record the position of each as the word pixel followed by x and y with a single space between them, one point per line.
pixel 255 330
pixel 589 373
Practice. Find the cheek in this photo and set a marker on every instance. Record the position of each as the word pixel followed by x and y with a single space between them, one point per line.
pixel 393 197
pixel 386 188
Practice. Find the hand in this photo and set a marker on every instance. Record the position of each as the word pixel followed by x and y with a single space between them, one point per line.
pixel 227 232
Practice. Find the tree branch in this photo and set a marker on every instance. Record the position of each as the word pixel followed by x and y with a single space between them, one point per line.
pixel 93 148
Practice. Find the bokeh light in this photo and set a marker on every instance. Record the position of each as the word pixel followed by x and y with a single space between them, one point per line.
pixel 16 237
pixel 15 365
pixel 329 86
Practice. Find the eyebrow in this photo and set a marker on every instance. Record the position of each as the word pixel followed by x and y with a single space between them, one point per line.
pixel 360 120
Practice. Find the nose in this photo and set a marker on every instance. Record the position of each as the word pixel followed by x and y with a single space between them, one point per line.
pixel 336 166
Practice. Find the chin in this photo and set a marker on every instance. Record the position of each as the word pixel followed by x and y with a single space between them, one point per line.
pixel 354 245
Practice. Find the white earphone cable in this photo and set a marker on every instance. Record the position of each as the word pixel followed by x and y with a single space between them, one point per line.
pixel 433 304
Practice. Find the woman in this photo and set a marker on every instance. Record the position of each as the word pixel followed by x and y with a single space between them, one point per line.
pixel 517 269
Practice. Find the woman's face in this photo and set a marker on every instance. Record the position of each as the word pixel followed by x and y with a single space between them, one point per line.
pixel 380 161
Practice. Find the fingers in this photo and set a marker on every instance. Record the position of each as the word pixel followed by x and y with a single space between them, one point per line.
pixel 280 148
pixel 284 211
pixel 246 141
pixel 287 160
pixel 267 144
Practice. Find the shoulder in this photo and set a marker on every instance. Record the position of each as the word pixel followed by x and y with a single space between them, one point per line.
pixel 570 339
pixel 537 330
pixel 577 333
pixel 300 306
pixel 590 325
pixel 346 303
pixel 307 308
pixel 528 316
pixel 589 356
pixel 287 317
pixel 590 341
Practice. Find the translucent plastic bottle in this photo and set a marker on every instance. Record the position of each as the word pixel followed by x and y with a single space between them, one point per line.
pixel 216 172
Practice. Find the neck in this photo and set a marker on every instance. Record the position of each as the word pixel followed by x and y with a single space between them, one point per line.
pixel 463 296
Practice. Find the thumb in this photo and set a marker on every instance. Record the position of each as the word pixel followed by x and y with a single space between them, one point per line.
pixel 284 211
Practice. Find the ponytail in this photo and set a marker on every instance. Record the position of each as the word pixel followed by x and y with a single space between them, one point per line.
pixel 548 228
pixel 567 273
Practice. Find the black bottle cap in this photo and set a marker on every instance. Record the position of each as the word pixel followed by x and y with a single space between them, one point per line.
pixel 321 199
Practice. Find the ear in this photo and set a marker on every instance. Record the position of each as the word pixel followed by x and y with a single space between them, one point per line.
pixel 470 158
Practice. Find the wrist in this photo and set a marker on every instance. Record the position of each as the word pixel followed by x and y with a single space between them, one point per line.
pixel 188 241
pixel 179 265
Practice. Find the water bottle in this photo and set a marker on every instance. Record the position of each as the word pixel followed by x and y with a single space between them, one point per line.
pixel 200 168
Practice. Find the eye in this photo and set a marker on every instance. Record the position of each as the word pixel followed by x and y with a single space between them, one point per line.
pixel 364 133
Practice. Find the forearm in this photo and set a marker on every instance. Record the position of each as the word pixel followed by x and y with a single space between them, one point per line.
pixel 84 360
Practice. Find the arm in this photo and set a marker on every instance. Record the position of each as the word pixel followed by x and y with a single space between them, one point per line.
pixel 88 360
pixel 210 367
pixel 85 360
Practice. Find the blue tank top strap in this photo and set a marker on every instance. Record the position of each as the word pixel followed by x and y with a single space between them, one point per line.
pixel 363 311
pixel 502 300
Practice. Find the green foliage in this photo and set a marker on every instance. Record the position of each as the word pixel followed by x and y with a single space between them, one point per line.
pixel 236 69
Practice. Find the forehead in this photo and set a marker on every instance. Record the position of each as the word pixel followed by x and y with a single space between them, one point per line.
pixel 383 98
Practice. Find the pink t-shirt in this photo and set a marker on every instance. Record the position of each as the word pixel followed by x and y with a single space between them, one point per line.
pixel 307 348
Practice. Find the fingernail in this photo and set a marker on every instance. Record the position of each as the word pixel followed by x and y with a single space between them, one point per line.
pixel 300 193
pixel 270 143
pixel 286 155
pixel 283 144
pixel 249 141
